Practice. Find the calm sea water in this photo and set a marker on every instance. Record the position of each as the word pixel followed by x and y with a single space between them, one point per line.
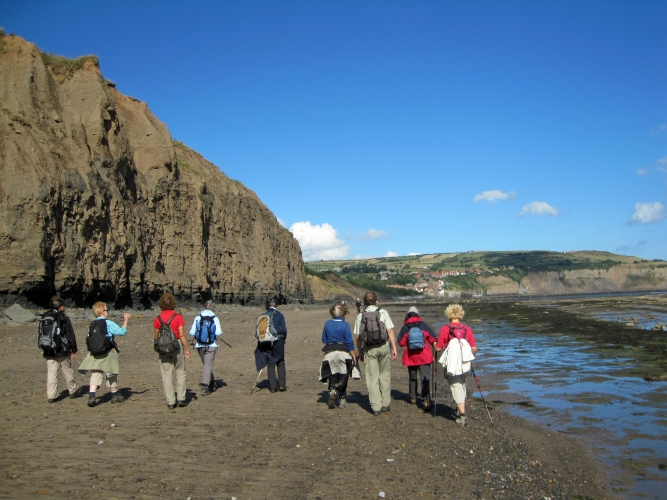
pixel 580 390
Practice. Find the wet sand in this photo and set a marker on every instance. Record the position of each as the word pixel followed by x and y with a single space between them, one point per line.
pixel 283 445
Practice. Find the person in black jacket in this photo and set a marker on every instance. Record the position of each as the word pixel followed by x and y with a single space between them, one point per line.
pixel 62 356
pixel 272 354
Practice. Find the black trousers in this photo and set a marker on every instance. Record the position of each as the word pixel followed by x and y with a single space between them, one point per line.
pixel 423 373
pixel 338 383
pixel 282 374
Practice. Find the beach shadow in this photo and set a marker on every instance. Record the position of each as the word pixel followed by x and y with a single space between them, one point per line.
pixel 359 399
pixel 397 395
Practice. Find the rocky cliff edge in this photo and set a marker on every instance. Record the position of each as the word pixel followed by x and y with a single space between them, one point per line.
pixel 98 203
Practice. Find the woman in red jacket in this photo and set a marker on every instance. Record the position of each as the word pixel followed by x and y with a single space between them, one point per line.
pixel 456 329
pixel 418 360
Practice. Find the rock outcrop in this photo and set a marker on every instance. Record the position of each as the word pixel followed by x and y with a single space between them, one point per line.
pixel 98 203
pixel 620 278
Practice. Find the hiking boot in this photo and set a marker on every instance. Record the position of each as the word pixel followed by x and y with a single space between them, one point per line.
pixel 272 390
pixel 342 403
pixel 117 398
pixel 52 400
pixel 181 404
pixel 212 387
pixel 427 404
pixel 413 401
pixel 462 420
pixel 376 413
pixel 171 407
pixel 205 391
pixel 76 393
pixel 332 400
pixel 385 409
pixel 91 400
pixel 283 388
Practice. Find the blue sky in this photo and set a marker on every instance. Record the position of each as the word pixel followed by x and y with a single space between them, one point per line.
pixel 382 128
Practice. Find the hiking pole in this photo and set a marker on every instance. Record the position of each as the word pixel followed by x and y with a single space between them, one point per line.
pixel 480 393
pixel 255 384
pixel 434 410
pixel 225 343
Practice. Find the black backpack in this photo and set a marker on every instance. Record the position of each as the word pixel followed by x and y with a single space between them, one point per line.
pixel 97 341
pixel 373 331
pixel 166 342
pixel 49 337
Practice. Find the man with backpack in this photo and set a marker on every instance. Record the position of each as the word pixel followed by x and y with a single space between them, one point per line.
pixel 377 348
pixel 169 342
pixel 57 341
pixel 415 335
pixel 205 329
pixel 271 334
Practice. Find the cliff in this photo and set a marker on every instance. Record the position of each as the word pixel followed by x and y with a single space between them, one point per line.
pixel 98 202
pixel 620 278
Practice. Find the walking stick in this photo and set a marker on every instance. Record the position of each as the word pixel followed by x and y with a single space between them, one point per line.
pixel 434 409
pixel 225 342
pixel 255 384
pixel 480 393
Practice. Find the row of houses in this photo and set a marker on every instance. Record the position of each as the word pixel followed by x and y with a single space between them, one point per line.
pixel 453 272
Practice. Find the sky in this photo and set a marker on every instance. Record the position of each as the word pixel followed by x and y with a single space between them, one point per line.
pixel 375 128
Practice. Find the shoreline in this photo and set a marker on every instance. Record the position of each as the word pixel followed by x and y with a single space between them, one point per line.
pixel 226 444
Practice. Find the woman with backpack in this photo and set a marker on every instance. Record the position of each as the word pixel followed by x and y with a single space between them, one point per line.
pixel 168 332
pixel 456 366
pixel 339 355
pixel 102 359
pixel 205 329
pixel 418 356
pixel 60 349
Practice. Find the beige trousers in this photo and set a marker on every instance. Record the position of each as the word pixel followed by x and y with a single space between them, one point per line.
pixel 171 364
pixel 65 365
pixel 457 383
pixel 98 376
pixel 377 367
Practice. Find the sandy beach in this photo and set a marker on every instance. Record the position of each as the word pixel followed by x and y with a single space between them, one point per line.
pixel 283 445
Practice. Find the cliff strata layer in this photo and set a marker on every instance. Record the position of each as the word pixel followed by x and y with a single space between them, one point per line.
pixel 98 202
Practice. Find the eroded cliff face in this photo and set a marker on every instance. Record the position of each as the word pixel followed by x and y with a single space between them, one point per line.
pixel 98 202
pixel 621 278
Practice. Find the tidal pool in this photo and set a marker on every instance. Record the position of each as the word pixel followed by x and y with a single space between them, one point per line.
pixel 580 389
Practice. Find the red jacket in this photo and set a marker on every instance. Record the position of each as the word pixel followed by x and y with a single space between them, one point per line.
pixel 416 357
pixel 446 335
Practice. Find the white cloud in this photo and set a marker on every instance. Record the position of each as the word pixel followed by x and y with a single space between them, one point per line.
pixel 659 130
pixel 411 254
pixel 538 208
pixel 319 242
pixel 281 222
pixel 647 213
pixel 662 164
pixel 493 196
pixel 641 171
pixel 391 254
pixel 374 234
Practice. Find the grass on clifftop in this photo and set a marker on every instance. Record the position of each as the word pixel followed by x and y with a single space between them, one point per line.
pixel 63 67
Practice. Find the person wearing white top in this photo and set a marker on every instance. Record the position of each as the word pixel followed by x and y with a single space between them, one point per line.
pixel 207 351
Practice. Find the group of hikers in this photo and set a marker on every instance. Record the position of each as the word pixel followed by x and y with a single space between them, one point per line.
pixel 376 345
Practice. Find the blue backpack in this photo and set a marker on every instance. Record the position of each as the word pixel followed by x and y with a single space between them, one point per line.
pixel 415 338
pixel 205 331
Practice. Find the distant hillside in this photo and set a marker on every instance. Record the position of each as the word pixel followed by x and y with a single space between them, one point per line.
pixel 492 273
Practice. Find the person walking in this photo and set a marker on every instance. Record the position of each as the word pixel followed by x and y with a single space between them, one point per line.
pixel 173 363
pixel 60 356
pixel 415 335
pixel 272 354
pixel 358 304
pixel 377 348
pixel 105 364
pixel 339 357
pixel 206 330
pixel 461 339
